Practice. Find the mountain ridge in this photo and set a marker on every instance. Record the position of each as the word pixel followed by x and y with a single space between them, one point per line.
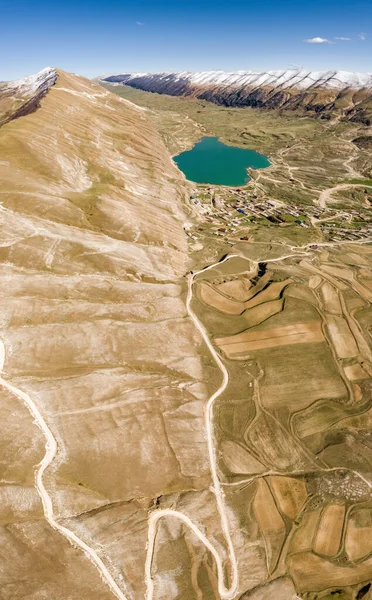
pixel 94 325
pixel 301 78
pixel 22 96
pixel 316 93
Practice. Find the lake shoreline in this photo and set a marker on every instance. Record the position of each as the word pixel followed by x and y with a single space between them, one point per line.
pixel 212 162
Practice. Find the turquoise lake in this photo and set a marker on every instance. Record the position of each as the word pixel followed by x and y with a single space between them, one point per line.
pixel 211 161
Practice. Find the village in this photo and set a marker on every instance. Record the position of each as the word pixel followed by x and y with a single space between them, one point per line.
pixel 227 212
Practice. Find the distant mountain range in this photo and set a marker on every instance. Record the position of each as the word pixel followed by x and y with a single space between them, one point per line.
pixel 326 94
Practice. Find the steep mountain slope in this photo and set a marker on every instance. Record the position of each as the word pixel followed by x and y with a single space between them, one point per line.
pixel 317 93
pixel 99 349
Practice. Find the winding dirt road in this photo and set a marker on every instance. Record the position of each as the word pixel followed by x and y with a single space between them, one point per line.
pixel 50 454
pixel 225 593
pixel 326 194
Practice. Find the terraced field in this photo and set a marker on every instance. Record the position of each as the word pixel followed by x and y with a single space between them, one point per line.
pixel 295 448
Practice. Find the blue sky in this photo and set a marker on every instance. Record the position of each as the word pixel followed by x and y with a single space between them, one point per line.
pixel 112 36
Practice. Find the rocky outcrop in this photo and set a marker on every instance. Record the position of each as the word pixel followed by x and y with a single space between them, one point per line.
pixel 323 94
pixel 364 141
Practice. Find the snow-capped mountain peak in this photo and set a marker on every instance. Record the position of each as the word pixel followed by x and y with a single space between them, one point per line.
pixel 34 83
pixel 317 93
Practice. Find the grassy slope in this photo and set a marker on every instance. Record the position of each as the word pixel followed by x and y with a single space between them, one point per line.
pixel 243 127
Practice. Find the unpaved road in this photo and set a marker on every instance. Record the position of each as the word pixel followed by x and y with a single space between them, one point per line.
pixel 225 593
pixel 51 452
pixel 325 194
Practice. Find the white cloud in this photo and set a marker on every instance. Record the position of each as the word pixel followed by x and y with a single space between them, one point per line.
pixel 139 23
pixel 343 39
pixel 362 36
pixel 318 40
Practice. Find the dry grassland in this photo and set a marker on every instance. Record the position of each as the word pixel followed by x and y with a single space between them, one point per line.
pixel 317 418
pixel 237 289
pixel 330 299
pixel 247 341
pixel 270 522
pixel 275 447
pixel 272 292
pixel 304 535
pixel 300 292
pixel 366 282
pixel 239 460
pixel 328 538
pixel 314 281
pixel 280 589
pixel 348 275
pixel 313 573
pixel 237 265
pixel 291 494
pixel 341 336
pixel 211 297
pixel 339 271
pixel 366 273
pixel 353 258
pixel 262 282
pixel 215 297
pixel 358 541
pixel 234 416
pixel 318 275
pixel 268 516
pixel 355 372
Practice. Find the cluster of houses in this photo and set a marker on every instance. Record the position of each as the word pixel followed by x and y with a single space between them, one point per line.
pixel 226 215
pixel 340 234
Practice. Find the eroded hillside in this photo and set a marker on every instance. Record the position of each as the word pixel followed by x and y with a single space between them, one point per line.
pixel 186 412
pixel 99 349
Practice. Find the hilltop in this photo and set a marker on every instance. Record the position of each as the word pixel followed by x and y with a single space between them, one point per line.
pixel 21 97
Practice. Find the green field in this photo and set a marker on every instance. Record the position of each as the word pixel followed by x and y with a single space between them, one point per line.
pixel 367 182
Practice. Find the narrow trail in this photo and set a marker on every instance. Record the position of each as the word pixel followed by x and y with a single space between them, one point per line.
pixel 274 473
pixel 225 593
pixel 50 454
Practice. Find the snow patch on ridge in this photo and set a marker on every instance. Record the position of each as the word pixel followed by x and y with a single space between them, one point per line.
pixel 290 78
pixel 301 80
pixel 28 86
